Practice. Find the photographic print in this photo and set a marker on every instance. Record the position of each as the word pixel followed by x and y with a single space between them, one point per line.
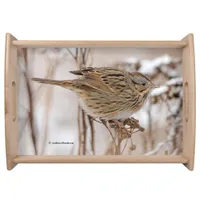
pixel 100 101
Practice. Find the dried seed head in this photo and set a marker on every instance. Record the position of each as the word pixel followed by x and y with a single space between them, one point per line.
pixel 141 129
pixel 132 147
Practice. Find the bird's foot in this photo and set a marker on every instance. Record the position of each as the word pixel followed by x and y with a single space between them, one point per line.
pixel 133 124
pixel 122 131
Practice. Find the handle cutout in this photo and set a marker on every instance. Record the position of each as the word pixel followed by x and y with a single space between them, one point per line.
pixel 14 95
pixel 186 101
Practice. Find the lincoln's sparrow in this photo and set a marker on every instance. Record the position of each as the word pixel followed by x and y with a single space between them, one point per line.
pixel 107 93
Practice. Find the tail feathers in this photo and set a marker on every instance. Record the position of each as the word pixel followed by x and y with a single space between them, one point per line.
pixel 63 83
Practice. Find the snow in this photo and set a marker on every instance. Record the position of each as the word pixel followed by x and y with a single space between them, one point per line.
pixel 175 81
pixel 164 60
pixel 165 88
pixel 150 66
pixel 172 73
pixel 159 91
pixel 175 106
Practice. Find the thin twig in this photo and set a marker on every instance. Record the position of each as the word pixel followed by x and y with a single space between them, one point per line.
pixel 151 142
pixel 87 54
pixel 84 131
pixel 47 104
pixel 23 127
pixel 124 146
pixel 79 130
pixel 42 86
pixel 131 141
pixel 104 123
pixel 92 59
pixel 167 104
pixel 91 123
pixel 83 53
pixel 31 115
pixel 75 57
pixel 110 149
pixel 118 146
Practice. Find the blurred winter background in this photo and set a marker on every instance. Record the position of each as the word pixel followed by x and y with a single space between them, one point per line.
pixel 51 122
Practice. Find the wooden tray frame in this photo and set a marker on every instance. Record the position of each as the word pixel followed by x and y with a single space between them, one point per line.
pixel 189 108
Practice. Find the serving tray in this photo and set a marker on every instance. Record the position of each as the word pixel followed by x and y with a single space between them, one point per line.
pixel 46 123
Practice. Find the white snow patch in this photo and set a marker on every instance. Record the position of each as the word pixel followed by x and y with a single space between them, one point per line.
pixel 172 73
pixel 159 91
pixel 175 81
pixel 150 66
pixel 164 60
pixel 175 106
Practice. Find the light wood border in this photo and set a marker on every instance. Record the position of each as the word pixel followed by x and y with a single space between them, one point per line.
pixel 101 159
pixel 11 120
pixel 146 44
pixel 187 47
pixel 189 108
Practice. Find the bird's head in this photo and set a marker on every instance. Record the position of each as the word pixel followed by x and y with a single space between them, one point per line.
pixel 142 83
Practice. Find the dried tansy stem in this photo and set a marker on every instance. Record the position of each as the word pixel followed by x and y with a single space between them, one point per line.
pixel 30 98
pixel 84 132
pixel 124 130
pixel 79 130
pixel 91 123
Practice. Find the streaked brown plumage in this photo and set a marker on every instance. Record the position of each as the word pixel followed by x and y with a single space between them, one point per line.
pixel 107 93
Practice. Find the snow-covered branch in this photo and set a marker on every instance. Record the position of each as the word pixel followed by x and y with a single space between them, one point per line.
pixel 165 65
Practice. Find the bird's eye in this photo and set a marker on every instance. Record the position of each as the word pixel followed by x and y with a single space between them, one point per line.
pixel 143 84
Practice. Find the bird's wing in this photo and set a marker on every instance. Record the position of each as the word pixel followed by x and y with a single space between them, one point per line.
pixel 104 79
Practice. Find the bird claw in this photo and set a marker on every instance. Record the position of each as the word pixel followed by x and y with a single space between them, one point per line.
pixel 133 124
